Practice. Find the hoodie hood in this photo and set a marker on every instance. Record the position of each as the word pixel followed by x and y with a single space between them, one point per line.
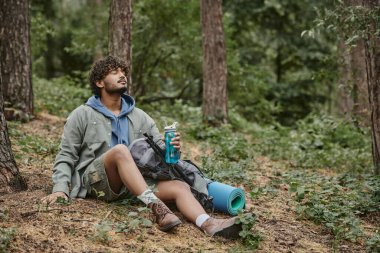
pixel 120 122
pixel 127 105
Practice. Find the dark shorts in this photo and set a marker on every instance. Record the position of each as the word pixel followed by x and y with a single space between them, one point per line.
pixel 96 182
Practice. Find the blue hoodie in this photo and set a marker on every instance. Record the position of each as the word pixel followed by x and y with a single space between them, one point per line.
pixel 119 123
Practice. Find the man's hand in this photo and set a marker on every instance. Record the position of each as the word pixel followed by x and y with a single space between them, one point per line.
pixel 52 198
pixel 176 141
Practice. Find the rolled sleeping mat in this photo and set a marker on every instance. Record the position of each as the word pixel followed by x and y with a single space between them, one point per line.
pixel 226 198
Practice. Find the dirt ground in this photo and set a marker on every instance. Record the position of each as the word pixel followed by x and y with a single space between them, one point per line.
pixel 73 228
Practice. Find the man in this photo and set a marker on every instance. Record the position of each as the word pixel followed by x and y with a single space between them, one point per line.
pixel 94 157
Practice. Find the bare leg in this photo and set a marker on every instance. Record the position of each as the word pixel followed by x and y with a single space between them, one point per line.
pixel 122 170
pixel 180 192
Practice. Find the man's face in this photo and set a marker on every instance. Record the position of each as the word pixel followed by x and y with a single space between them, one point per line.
pixel 114 82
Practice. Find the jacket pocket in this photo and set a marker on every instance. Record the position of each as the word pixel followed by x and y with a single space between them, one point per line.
pixel 96 132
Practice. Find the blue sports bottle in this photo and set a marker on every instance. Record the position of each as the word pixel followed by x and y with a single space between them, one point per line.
pixel 171 153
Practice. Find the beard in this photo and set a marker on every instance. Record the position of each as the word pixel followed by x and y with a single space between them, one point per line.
pixel 115 90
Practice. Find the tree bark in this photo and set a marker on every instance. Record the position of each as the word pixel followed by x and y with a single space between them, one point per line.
pixel 359 79
pixel 372 57
pixel 15 57
pixel 353 95
pixel 344 101
pixel 97 5
pixel 50 53
pixel 9 174
pixel 120 34
pixel 214 105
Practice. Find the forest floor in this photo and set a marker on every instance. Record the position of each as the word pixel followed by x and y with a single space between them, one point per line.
pixel 90 225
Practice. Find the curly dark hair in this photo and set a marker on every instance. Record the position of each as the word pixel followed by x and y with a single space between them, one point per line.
pixel 102 68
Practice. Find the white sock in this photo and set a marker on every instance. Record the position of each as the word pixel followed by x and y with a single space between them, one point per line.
pixel 201 219
pixel 147 196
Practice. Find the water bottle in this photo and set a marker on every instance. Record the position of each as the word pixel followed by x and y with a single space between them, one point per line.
pixel 171 153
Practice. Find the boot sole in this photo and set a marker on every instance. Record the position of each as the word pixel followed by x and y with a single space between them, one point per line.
pixel 231 232
pixel 170 226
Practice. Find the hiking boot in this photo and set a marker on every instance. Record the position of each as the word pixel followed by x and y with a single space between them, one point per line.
pixel 222 227
pixel 165 218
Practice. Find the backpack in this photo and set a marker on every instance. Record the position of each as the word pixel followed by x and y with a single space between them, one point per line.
pixel 149 158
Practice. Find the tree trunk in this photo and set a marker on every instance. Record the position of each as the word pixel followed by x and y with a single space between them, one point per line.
pixel 372 57
pixel 120 34
pixel 359 79
pixel 15 58
pixel 353 94
pixel 97 5
pixel 344 101
pixel 50 53
pixel 278 64
pixel 9 174
pixel 214 63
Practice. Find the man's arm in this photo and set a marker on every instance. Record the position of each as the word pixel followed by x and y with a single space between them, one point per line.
pixel 67 157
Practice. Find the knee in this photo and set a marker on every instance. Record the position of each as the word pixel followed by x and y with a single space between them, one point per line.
pixel 121 152
pixel 180 187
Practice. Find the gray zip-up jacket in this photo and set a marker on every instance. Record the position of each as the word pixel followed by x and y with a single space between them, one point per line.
pixel 86 136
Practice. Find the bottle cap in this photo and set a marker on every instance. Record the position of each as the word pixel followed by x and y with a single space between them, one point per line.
pixel 171 127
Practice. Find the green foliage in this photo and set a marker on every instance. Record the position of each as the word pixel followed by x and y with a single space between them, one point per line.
pixel 6 236
pixel 41 29
pixel 250 87
pixel 250 238
pixel 270 67
pixel 102 233
pixel 63 201
pixel 59 96
pixel 135 221
pixel 166 113
pixel 285 76
pixel 98 194
pixel 231 154
pixel 335 201
pixel 268 190
pixel 3 214
pixel 350 22
pixel 223 170
pixel 373 243
pixel 167 49
pixel 30 146
pixel 318 141
pixel 67 35
pixel 227 143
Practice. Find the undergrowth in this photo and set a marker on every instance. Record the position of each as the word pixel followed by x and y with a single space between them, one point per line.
pixel 338 202
pixel 250 239
pixel 6 236
pixel 30 147
pixel 318 141
pixel 59 96
pixel 136 221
